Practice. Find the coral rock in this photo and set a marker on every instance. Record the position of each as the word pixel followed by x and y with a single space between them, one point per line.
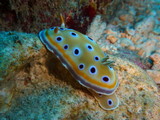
pixel 112 38
pixel 147 48
pixel 156 61
pixel 97 27
pixel 132 47
pixel 109 31
pixel 15 50
pixel 13 46
pixel 125 42
pixel 130 31
pixel 145 26
pixel 126 17
pixel 124 35
pixel 158 45
pixel 158 51
pixel 156 58
pixel 136 37
pixel 6 94
pixel 153 36
pixel 155 74
pixel 156 31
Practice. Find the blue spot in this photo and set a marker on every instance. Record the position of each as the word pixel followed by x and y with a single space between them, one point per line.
pixel 59 38
pixel 76 51
pixel 89 47
pixel 89 38
pixel 110 67
pixel 52 28
pixel 61 28
pixel 92 70
pixel 65 47
pixel 96 58
pixel 73 34
pixel 106 79
pixel 110 102
pixel 81 66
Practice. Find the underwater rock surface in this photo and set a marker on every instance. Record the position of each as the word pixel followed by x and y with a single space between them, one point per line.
pixel 16 50
pixel 44 89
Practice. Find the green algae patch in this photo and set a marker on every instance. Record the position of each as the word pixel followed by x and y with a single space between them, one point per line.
pixel 15 48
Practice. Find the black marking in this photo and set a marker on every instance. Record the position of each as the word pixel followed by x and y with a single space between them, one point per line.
pixel 90 48
pixel 110 102
pixel 81 66
pixel 106 79
pixel 93 70
pixel 73 34
pixel 59 38
pixel 61 28
pixel 90 38
pixel 76 51
pixel 52 28
pixel 65 47
pixel 96 58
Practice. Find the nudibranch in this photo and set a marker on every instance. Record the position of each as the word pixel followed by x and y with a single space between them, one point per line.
pixel 85 60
